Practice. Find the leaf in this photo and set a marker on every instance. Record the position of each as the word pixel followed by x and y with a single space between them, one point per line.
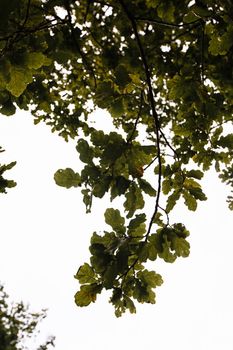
pixel 119 186
pixel 114 219
pixel 110 275
pixel 67 178
pixel 226 141
pixel 8 108
pixel 201 11
pixel 190 183
pixel 189 200
pixel 171 201
pixel 35 60
pixel 181 247
pixel 166 186
pixel 137 227
pixel 166 11
pixel 190 17
pixel 87 294
pixel 198 194
pixel 146 187
pixel 122 76
pixel 134 200
pixel 87 199
pixel 166 254
pixel 152 251
pixel 85 274
pixel 85 151
pixel 100 258
pixel 102 186
pixel 151 278
pixel 19 79
pixel 7 167
pixel 129 304
pixel 98 138
pixel 197 174
pixel 116 108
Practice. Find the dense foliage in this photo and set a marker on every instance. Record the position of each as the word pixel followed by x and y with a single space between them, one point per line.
pixel 163 70
pixel 18 325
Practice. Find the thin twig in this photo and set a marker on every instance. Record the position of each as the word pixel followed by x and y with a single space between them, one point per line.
pixel 166 24
pixel 87 10
pixel 137 119
pixel 27 14
pixel 148 165
pixel 168 143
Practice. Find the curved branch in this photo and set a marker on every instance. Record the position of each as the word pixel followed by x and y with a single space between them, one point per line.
pixel 137 119
pixel 167 24
pixel 153 109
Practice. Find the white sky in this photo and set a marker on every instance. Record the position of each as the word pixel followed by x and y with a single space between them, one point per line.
pixel 45 237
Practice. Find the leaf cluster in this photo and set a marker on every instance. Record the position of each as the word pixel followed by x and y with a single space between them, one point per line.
pixel 163 71
pixel 18 325
pixel 118 260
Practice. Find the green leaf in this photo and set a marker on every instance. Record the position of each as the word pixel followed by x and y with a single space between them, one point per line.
pixel 146 187
pixel 122 76
pixel 171 201
pixel 191 17
pixel 85 151
pixel 189 200
pixel 98 138
pixel 190 183
pixel 102 186
pixel 87 294
pixel 114 219
pixel 166 186
pixel 201 11
pixel 137 227
pixel 129 304
pixel 150 278
pixel 134 200
pixel 198 194
pixel 117 108
pixel 8 108
pixel 119 186
pixel 19 79
pixel 67 178
pixel 110 275
pixel 197 174
pixel 181 246
pixel 87 199
pixel 152 251
pixel 85 274
pixel 226 141
pixel 7 167
pixel 35 60
pixel 166 253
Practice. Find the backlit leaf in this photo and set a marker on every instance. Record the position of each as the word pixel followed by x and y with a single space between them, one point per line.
pixel 67 178
pixel 85 274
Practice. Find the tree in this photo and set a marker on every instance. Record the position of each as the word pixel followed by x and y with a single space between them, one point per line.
pixel 4 183
pixel 163 70
pixel 18 325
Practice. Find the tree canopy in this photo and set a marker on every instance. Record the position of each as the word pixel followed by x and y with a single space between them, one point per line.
pixel 163 71
pixel 18 325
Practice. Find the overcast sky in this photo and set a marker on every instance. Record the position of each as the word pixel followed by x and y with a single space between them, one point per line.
pixel 45 237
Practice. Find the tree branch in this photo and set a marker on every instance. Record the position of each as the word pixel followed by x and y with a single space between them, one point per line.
pixel 137 119
pixel 167 24
pixel 82 55
pixel 153 109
